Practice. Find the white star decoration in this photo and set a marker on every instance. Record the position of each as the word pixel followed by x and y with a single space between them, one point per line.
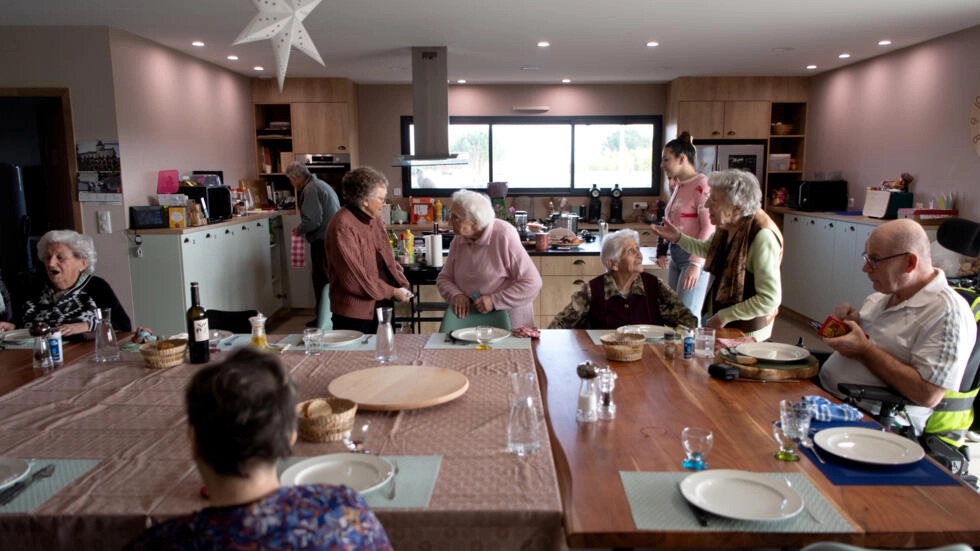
pixel 282 22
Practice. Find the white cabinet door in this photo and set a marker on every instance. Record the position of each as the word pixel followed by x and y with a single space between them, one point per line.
pixel 850 278
pixel 204 260
pixel 258 266
pixel 794 249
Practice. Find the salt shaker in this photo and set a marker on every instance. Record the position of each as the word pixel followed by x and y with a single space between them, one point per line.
pixel 586 412
pixel 670 346
pixel 607 382
pixel 42 352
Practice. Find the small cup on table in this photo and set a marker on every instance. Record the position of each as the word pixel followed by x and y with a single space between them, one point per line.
pixel 704 342
pixel 697 443
pixel 313 341
pixel 483 335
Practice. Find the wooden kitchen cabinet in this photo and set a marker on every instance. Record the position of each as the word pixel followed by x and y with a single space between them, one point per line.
pixel 322 127
pixel 738 120
pixel 231 261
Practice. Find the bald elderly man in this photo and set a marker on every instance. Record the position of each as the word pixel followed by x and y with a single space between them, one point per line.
pixel 914 334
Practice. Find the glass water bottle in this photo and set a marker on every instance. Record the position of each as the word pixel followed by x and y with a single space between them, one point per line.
pixel 106 345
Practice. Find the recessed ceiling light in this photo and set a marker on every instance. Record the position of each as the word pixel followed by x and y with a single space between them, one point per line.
pixel 566 80
pixel 530 68
pixel 233 58
pixel 885 42
pixel 197 43
pixel 811 67
pixel 544 44
pixel 259 68
pixel 461 81
pixel 782 49
pixel 652 44
pixel 844 56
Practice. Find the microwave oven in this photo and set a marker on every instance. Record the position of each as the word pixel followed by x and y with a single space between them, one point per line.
pixel 822 195
pixel 215 200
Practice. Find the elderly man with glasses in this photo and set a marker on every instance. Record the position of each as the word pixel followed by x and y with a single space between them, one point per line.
pixel 914 334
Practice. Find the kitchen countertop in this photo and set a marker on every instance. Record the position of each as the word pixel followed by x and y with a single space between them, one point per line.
pixel 223 224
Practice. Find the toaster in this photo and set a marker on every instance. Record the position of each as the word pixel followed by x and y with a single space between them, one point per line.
pixel 215 200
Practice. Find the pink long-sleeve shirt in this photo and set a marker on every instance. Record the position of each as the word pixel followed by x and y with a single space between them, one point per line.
pixel 496 265
pixel 686 209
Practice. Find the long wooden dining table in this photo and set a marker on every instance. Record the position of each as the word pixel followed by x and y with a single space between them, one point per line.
pixel 655 400
pixel 122 426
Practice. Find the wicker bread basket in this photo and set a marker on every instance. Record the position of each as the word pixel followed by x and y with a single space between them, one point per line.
pixel 164 354
pixel 623 347
pixel 325 419
pixel 781 129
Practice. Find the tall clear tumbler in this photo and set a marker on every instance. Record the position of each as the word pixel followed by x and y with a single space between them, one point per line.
pixel 384 341
pixel 523 430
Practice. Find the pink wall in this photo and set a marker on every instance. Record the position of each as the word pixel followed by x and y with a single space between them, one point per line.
pixel 907 111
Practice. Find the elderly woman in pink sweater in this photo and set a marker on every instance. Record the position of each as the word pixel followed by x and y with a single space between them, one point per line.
pixel 686 210
pixel 487 267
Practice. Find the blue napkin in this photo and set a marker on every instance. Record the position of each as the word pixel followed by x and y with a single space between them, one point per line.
pixel 825 410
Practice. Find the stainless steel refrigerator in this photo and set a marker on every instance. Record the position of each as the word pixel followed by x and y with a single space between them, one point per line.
pixel 720 156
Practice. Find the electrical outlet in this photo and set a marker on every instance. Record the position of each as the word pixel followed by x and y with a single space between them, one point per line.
pixel 104 221
pixel 640 205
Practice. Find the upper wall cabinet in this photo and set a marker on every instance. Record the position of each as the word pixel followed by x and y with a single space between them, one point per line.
pixel 720 120
pixel 322 127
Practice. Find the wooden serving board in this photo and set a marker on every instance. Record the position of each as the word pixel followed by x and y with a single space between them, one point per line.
pixel 773 371
pixel 400 387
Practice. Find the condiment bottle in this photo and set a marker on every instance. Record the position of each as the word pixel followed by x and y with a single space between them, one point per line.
pixel 259 338
pixel 438 213
pixel 586 412
pixel 42 354
pixel 670 345
pixel 688 336
pixel 55 347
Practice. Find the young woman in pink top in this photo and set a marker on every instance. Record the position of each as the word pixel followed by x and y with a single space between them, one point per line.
pixel 686 210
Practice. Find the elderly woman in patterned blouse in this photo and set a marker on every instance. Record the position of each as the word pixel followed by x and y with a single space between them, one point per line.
pixel 73 293
pixel 625 294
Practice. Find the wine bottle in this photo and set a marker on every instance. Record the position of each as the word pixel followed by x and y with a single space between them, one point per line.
pixel 198 332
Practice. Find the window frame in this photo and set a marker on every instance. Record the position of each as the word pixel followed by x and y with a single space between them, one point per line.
pixel 657 150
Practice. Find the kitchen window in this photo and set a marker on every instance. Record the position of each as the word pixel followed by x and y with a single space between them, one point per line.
pixel 544 155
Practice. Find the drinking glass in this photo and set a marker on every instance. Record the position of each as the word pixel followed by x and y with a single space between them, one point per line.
pixel 312 340
pixel 697 443
pixel 795 417
pixel 483 334
pixel 356 439
pixel 787 448
pixel 704 342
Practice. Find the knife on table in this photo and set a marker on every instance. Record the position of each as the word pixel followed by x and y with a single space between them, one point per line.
pixel 699 514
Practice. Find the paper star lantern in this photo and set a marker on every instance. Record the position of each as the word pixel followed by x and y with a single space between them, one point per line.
pixel 281 21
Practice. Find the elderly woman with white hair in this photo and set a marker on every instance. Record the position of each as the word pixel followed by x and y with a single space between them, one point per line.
pixel 69 300
pixel 487 267
pixel 625 294
pixel 743 255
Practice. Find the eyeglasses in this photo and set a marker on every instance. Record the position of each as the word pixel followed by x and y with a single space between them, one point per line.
pixel 874 261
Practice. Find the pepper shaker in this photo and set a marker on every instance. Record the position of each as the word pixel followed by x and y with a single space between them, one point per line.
pixel 607 382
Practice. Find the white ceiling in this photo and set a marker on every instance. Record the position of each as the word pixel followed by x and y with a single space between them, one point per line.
pixel 489 41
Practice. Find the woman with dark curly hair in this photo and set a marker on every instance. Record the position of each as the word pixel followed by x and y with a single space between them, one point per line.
pixel 363 271
pixel 242 417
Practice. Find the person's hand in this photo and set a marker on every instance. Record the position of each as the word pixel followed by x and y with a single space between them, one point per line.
pixel 663 261
pixel 846 312
pixel 852 344
pixel 483 304
pixel 296 230
pixel 714 322
pixel 6 326
pixel 73 328
pixel 461 305
pixel 402 295
pixel 691 276
pixel 668 231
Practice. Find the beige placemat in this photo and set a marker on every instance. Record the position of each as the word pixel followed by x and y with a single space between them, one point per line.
pixel 657 504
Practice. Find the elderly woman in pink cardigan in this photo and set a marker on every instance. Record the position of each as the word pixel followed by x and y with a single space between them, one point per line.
pixel 487 267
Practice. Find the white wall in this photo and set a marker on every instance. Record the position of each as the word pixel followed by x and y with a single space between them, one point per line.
pixel 908 111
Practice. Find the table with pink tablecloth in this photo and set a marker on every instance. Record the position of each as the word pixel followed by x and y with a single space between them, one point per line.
pixel 130 420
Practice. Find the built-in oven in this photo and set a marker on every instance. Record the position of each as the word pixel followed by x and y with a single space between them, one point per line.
pixel 329 167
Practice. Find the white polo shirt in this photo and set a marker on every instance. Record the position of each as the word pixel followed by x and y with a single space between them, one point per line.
pixel 933 331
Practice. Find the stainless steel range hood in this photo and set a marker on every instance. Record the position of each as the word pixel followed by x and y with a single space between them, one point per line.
pixel 430 110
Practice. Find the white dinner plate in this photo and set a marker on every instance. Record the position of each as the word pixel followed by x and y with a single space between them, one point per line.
pixel 651 332
pixel 742 495
pixel 340 337
pixel 773 351
pixel 869 445
pixel 12 470
pixel 362 472
pixel 469 334
pixel 218 335
pixel 16 335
